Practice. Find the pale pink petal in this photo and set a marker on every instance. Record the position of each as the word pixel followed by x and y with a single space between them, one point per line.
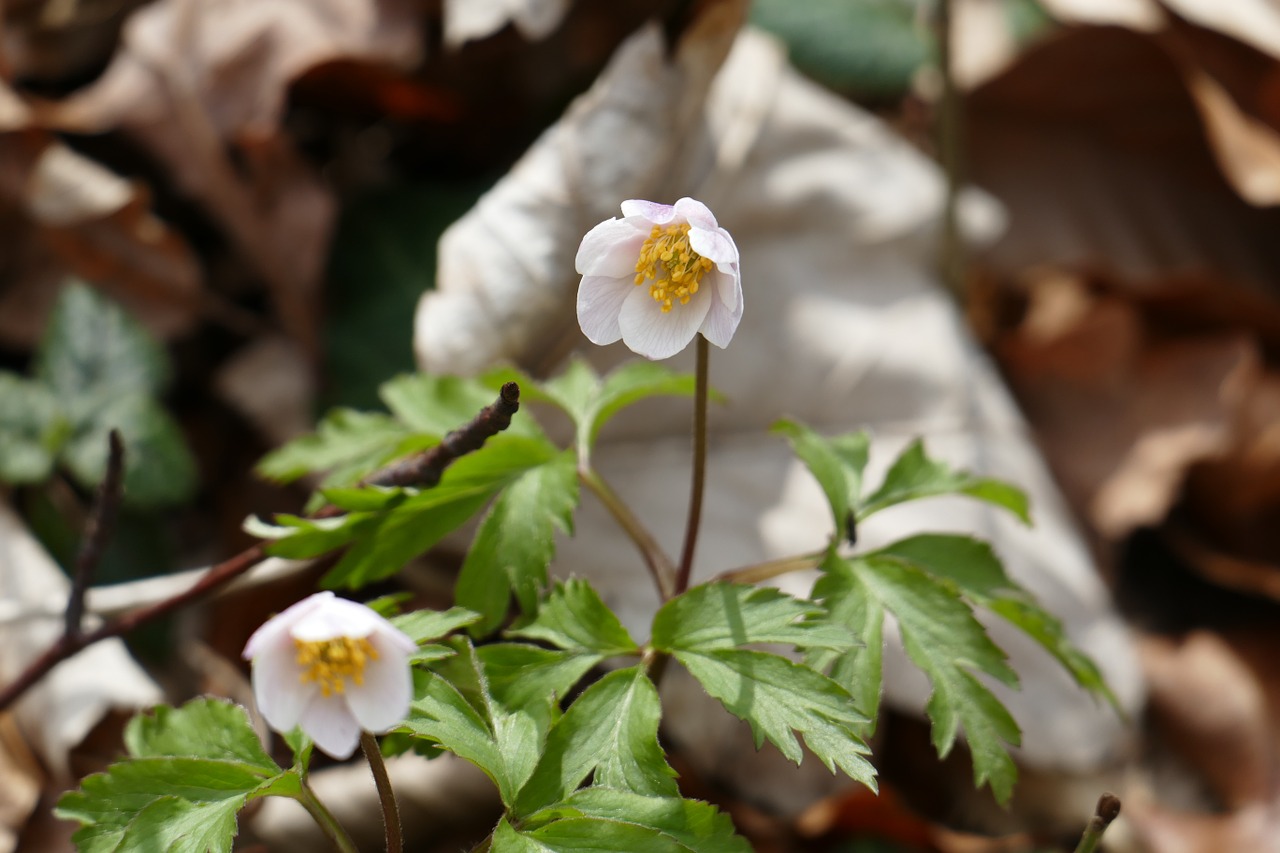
pixel 658 214
pixel 337 617
pixel 382 701
pixel 329 722
pixel 647 331
pixel 715 245
pixel 278 686
pixel 611 248
pixel 599 301
pixel 721 322
pixel 269 631
pixel 696 214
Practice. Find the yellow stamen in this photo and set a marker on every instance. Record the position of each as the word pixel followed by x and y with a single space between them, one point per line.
pixel 330 662
pixel 674 268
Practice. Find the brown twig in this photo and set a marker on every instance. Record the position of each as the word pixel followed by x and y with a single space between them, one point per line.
pixel 1108 809
pixel 429 465
pixel 102 520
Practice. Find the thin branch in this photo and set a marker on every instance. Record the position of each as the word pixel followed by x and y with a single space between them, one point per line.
pixel 761 572
pixel 102 520
pixel 390 811
pixel 428 465
pixel 1108 809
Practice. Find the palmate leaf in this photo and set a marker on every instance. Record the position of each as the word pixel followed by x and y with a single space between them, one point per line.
pixel 611 730
pixel 943 638
pixel 32 429
pixel 574 618
pixel 520 674
pixel 914 476
pixel 190 771
pixel 515 542
pixel 598 818
pixel 726 615
pixel 836 463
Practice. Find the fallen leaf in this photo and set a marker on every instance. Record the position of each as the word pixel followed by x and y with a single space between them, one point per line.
pixel 469 20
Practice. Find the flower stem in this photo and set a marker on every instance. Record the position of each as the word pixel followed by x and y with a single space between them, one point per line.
pixel 773 568
pixel 658 563
pixel 699 467
pixel 390 811
pixel 1108 810
pixel 327 822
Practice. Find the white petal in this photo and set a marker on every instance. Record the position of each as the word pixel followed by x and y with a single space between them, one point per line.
pixel 647 331
pixel 611 248
pixel 330 723
pixel 696 213
pixel 277 686
pixel 268 633
pixel 658 214
pixel 336 617
pixel 599 302
pixel 722 321
pixel 716 245
pixel 382 701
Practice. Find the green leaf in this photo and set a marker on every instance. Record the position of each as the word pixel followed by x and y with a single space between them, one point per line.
pixel 724 615
pixel 519 675
pixel 516 542
pixel 942 637
pixel 860 670
pixel 976 572
pixel 836 463
pixel 385 541
pixel 32 429
pixel 425 625
pixel 190 771
pixel 348 443
pixel 624 820
pixel 573 617
pixel 914 476
pixel 611 729
pixel 776 697
pixel 437 405
pixel 574 390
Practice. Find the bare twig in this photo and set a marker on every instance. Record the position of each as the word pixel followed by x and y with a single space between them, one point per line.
pixel 97 531
pixel 1108 810
pixel 428 465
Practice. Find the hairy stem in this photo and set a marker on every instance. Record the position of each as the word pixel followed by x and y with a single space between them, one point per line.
pixel 327 822
pixel 390 811
pixel 699 467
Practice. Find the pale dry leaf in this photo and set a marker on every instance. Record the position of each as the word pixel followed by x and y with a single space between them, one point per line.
pixel 57 713
pixel 1144 15
pixel 20 782
pixel 982 41
pixel 270 382
pixel 1248 150
pixel 1254 22
pixel 845 326
pixel 470 20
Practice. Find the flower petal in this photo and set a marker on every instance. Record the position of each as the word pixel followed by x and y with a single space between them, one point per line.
pixel 599 301
pixel 696 214
pixel 611 248
pixel 278 687
pixel 269 631
pixel 658 214
pixel 382 701
pixel 330 723
pixel 336 617
pixel 722 320
pixel 647 331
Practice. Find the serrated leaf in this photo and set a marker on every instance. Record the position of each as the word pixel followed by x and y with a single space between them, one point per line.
pixel 631 383
pixel 942 637
pixel 516 542
pixel 32 429
pixel 520 675
pixel 914 476
pixel 364 498
pixel 202 728
pixel 777 697
pixel 574 618
pixel 394 537
pixel 424 625
pixel 349 443
pixel 836 463
pixel 611 730
pixel 975 570
pixel 574 389
pixel 655 823
pixel 724 615
pixel 859 670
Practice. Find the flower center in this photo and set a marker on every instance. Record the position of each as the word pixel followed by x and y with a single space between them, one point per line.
pixel 330 662
pixel 675 269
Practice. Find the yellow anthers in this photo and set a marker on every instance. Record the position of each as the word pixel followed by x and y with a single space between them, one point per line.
pixel 330 662
pixel 671 264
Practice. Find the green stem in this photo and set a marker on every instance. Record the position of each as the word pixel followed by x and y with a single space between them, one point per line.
pixel 1108 810
pixel 328 823
pixel 773 568
pixel 390 811
pixel 699 467
pixel 655 559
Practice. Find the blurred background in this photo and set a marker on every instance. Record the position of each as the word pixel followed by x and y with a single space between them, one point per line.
pixel 217 218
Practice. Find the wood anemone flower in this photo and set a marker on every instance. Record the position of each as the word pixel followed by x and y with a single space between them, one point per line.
pixel 333 667
pixel 658 276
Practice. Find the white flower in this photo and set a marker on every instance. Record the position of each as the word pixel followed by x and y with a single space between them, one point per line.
pixel 333 667
pixel 658 276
